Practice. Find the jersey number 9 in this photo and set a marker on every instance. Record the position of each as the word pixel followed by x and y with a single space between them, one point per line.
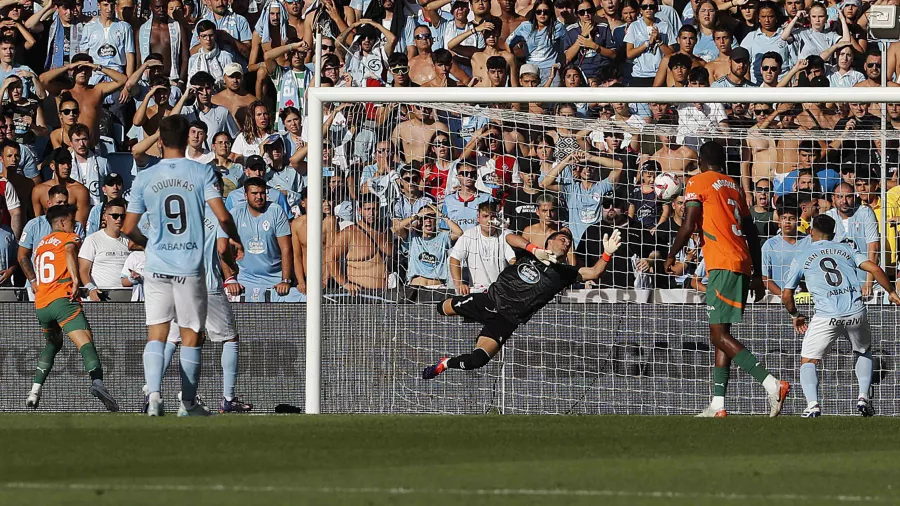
pixel 176 211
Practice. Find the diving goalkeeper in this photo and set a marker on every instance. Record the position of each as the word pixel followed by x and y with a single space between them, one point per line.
pixel 520 291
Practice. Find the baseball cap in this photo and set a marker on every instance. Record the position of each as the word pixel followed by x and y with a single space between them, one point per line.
pixel 850 2
pixel 529 68
pixel 234 68
pixel 112 179
pixel 740 53
pixel 254 161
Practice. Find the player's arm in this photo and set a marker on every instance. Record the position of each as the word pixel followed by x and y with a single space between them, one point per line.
pixel 131 230
pixel 84 270
pixel 872 250
pixel 751 234
pixel 227 224
pixel 23 256
pixel 544 255
pixel 72 267
pixel 795 273
pixel 611 243
pixel 692 215
pixel 229 267
pixel 874 270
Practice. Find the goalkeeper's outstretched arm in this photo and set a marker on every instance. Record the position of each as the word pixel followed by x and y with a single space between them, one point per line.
pixel 611 243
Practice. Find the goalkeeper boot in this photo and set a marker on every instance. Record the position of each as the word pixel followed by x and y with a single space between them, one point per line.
pixel 34 398
pixel 711 412
pixel 234 406
pixel 776 402
pixel 814 411
pixel 865 407
pixel 98 390
pixel 432 371
pixel 195 409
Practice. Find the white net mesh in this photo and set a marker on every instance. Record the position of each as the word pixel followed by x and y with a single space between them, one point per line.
pixel 636 341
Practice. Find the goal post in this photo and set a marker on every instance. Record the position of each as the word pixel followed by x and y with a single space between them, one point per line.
pixel 318 97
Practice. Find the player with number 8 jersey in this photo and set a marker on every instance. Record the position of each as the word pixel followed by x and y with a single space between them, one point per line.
pixel 174 194
pixel 717 209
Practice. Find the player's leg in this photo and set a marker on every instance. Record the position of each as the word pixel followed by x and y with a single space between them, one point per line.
pixel 860 335
pixel 173 339
pixel 820 335
pixel 721 375
pixel 445 308
pixel 726 296
pixel 220 328
pixel 190 308
pixel 159 304
pixel 54 341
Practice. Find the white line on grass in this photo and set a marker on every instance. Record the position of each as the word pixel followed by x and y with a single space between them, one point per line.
pixel 556 492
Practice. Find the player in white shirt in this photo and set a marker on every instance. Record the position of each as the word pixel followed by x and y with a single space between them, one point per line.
pixel 830 271
pixel 104 252
pixel 175 193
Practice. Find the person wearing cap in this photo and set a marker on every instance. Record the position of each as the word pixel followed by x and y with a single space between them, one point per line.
pixel 255 167
pixel 216 117
pixel 104 252
pixel 60 162
pixel 234 97
pixel 292 81
pixel 736 77
pixel 280 173
pixel 109 41
pixel 167 40
pixel 112 189
pixel 232 28
pixel 767 38
pixel 209 57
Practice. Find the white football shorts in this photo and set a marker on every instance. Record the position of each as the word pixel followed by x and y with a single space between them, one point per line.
pixel 181 299
pixel 824 330
pixel 219 320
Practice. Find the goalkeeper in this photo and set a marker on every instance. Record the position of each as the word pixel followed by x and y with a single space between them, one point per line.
pixel 520 291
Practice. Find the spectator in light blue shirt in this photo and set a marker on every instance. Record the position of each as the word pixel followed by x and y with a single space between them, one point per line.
pixel 539 40
pixel 233 29
pixel 647 40
pixel 856 226
pixel 266 234
pixel 256 167
pixel 779 251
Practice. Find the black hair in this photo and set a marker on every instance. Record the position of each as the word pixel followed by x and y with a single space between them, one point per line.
pixel 254 181
pixel 58 212
pixel 713 154
pixel 824 224
pixel 173 131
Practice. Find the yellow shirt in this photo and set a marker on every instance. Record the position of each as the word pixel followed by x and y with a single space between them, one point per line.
pixel 893 211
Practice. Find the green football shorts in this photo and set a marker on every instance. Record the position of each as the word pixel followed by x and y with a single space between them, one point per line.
pixel 64 314
pixel 726 296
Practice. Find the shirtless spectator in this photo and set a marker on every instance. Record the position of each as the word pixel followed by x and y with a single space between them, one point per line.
pixel 359 257
pixel 687 39
pixel 489 30
pixel 167 37
pixel 412 135
pixel 739 68
pixel 69 114
pixel 299 241
pixel 497 73
pixel 548 221
pixel 774 158
pixel 671 156
pixel 873 75
pixel 148 116
pixel 443 61
pixel 421 67
pixel 234 96
pixel 89 97
pixel 60 161
pixel 721 66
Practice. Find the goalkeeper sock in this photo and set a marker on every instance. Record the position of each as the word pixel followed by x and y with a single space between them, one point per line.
pixel 810 383
pixel 229 369
pixel 748 362
pixel 153 365
pixel 190 373
pixel 91 361
pixel 167 355
pixel 478 358
pixel 45 360
pixel 864 368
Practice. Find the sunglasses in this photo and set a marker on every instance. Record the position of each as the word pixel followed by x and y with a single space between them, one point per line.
pixel 330 68
pixel 424 36
pixel 542 12
pixel 117 216
pixel 648 7
pixel 761 112
pixel 466 173
pixel 69 112
pixel 872 65
pixel 429 217
pixel 411 179
pixel 400 70
pixel 762 189
pixel 442 143
pixel 382 150
pixel 766 68
pixel 582 12
pixel 327 48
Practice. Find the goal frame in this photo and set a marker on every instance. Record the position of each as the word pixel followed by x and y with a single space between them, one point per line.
pixel 317 96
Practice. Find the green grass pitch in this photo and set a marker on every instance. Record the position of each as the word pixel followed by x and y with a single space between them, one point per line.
pixel 435 460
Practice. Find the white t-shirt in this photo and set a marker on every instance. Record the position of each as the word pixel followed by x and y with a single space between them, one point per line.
pixel 485 256
pixel 108 256
pixel 207 157
pixel 244 148
pixel 135 262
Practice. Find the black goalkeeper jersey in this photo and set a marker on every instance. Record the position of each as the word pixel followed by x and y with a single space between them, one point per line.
pixel 524 288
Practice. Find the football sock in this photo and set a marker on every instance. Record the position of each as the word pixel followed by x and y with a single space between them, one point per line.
pixel 864 368
pixel 167 355
pixel 720 380
pixel 229 368
pixel 748 362
pixel 190 373
pixel 810 382
pixel 45 360
pixel 477 358
pixel 153 365
pixel 91 361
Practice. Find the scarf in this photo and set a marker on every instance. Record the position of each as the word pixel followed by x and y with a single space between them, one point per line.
pixel 174 43
pixel 207 61
pixel 262 26
pixel 291 91
pixel 91 178
pixel 57 41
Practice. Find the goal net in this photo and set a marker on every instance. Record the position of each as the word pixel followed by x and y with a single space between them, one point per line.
pixel 404 228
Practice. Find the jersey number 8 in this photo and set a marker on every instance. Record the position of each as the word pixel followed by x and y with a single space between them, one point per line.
pixel 176 211
pixel 833 276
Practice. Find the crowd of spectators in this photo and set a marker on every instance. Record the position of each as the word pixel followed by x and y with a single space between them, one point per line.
pixel 421 197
